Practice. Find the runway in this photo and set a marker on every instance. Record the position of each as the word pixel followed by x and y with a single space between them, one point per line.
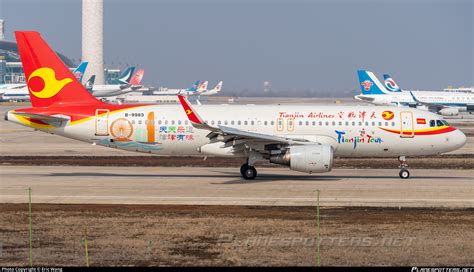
pixel 223 186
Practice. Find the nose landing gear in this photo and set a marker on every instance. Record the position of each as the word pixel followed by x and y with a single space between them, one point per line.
pixel 404 173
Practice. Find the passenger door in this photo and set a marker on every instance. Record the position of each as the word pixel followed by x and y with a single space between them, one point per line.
pixel 407 125
pixel 102 122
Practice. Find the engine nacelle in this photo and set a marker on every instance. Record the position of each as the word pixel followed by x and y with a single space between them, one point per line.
pixel 449 111
pixel 306 158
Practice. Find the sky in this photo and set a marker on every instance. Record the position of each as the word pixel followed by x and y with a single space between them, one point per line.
pixel 317 45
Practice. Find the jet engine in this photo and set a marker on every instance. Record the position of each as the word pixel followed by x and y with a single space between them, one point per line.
pixel 449 111
pixel 306 158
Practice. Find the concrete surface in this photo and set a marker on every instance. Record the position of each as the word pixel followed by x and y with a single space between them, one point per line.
pixel 223 186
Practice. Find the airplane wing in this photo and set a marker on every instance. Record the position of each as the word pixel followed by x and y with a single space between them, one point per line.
pixel 236 137
pixel 52 120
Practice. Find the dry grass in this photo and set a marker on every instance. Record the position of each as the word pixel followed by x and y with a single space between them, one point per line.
pixel 192 235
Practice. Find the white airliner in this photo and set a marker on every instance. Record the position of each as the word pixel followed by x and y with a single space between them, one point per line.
pixel 196 89
pixel 442 102
pixel 305 138
pixel 213 91
pixel 128 84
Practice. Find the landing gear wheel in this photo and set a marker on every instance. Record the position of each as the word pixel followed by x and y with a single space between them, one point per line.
pixel 242 168
pixel 404 174
pixel 248 172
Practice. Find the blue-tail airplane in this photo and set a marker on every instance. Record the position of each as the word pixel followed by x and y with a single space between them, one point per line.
pixel 442 102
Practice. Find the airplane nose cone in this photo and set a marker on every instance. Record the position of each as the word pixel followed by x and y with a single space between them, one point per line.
pixel 460 139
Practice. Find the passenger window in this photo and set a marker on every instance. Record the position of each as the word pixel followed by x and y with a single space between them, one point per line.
pixel 265 123
pixel 314 123
pixel 353 124
pixel 172 122
pixel 307 123
pixel 272 123
pixel 366 123
pixel 373 124
pixel 320 123
pixel 186 122
pixel 347 124
pixel 225 122
pixel 252 123
pixel 393 124
pixel 245 122
pixel 386 124
pixel 360 124
pixel 232 122
pixel 159 122
pixel 380 124
pixel 239 123
pixel 219 122
pixel 340 123
pixel 300 123
pixel 327 123
pixel 333 123
pixel 212 122
pixel 179 122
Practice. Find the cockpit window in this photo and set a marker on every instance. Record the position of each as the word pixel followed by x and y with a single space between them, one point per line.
pixel 445 122
pixel 432 123
pixel 439 123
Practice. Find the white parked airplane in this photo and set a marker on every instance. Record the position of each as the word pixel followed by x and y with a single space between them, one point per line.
pixel 129 84
pixel 196 89
pixel 213 91
pixel 304 137
pixel 442 102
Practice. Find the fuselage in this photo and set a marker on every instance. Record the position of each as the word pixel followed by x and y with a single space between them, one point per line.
pixel 461 101
pixel 352 131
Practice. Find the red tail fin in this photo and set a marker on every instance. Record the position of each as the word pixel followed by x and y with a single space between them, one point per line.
pixel 137 77
pixel 49 80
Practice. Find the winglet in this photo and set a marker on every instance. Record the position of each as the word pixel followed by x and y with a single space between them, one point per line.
pixel 193 116
pixel 414 98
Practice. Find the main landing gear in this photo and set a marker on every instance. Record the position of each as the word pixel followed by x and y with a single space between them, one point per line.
pixel 248 172
pixel 404 173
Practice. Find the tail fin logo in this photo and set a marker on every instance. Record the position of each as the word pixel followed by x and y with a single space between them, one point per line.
pixel 49 87
pixel 391 85
pixel 188 111
pixel 366 84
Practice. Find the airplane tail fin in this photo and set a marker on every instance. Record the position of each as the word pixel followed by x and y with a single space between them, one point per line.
pixel 80 70
pixel 369 84
pixel 203 86
pixel 391 84
pixel 218 87
pixel 195 86
pixel 137 77
pixel 90 83
pixel 126 75
pixel 49 81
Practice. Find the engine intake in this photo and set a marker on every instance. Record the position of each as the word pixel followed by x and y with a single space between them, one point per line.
pixel 306 158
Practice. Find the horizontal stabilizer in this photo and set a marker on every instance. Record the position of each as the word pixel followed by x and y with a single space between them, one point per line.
pixel 52 120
